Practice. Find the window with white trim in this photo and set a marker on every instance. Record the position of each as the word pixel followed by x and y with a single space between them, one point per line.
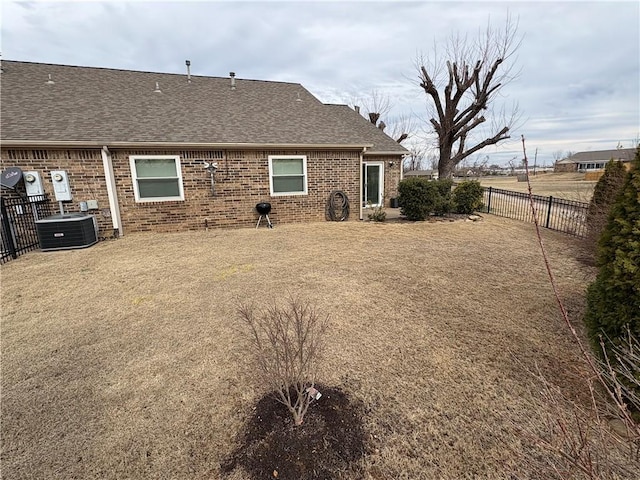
pixel 156 178
pixel 288 174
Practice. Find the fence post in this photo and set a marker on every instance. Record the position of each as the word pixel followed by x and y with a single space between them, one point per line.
pixel 489 201
pixel 549 211
pixel 7 236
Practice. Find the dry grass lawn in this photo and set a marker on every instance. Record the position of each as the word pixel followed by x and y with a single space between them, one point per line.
pixel 571 186
pixel 118 361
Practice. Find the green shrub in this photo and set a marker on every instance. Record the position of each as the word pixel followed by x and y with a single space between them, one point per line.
pixel 443 201
pixel 613 300
pixel 604 194
pixel 419 197
pixel 413 198
pixel 467 197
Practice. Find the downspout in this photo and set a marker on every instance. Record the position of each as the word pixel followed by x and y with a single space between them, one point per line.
pixel 404 157
pixel 111 191
pixel 361 182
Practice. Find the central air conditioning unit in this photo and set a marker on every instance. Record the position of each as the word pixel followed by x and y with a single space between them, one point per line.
pixel 67 231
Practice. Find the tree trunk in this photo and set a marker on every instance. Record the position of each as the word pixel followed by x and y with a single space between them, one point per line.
pixel 445 163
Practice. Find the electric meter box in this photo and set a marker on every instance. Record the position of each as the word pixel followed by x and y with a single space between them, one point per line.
pixel 33 183
pixel 61 187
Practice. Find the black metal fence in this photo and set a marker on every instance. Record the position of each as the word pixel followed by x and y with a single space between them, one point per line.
pixel 568 216
pixel 18 229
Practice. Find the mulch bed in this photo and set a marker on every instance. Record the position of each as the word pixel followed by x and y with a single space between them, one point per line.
pixel 329 442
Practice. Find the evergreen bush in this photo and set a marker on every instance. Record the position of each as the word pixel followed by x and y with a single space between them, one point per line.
pixel 413 198
pixel 613 300
pixel 467 197
pixel 604 194
pixel 443 201
pixel 419 197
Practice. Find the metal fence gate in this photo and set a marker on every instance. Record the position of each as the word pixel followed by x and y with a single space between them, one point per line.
pixel 18 227
pixel 562 215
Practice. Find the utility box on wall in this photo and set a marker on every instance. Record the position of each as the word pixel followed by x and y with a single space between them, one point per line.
pixel 61 187
pixel 33 183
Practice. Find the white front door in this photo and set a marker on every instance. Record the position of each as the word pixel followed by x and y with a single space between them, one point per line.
pixel 372 183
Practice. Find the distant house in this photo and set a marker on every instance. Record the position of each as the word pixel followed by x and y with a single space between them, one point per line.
pixel 594 161
pixel 135 147
pixel 428 174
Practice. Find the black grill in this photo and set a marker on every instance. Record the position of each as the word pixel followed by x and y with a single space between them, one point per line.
pixel 264 208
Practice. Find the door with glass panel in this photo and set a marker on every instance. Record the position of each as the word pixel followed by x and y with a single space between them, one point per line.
pixel 373 183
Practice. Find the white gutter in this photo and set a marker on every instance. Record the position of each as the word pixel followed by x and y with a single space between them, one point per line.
pixel 111 190
pixel 361 183
pixel 404 157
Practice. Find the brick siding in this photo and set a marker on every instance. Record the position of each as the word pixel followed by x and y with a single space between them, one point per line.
pixel 242 180
pixel 565 167
pixel 86 177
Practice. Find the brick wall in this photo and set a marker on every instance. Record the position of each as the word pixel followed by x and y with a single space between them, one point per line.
pixel 86 177
pixel 242 180
pixel 565 167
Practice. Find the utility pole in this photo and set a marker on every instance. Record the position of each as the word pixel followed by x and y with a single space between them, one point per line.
pixel 535 159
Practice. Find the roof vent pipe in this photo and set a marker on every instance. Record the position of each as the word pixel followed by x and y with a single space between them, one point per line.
pixel 233 80
pixel 188 63
pixel 50 82
pixel 356 108
pixel 157 90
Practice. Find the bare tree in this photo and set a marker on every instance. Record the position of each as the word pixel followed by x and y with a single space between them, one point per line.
pixel 433 162
pixel 375 107
pixel 462 88
pixel 286 344
pixel 480 165
pixel 402 127
pixel 558 155
pixel 414 160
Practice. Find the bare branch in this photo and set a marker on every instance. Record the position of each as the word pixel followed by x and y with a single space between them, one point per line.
pixel 286 344
pixel 401 127
pixel 473 74
pixel 376 108
pixel 586 443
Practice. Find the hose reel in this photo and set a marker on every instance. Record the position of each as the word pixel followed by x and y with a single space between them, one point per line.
pixel 337 209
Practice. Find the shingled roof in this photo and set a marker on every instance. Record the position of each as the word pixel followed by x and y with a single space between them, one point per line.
pixel 100 106
pixel 624 154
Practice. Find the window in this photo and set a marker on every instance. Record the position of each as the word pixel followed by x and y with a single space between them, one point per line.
pixel 156 178
pixel 288 175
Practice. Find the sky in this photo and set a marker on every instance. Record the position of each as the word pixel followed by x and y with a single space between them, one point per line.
pixel 578 86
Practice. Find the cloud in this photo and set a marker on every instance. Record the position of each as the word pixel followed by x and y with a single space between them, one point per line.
pixel 580 61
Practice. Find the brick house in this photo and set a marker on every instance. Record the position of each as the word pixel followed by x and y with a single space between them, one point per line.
pixel 136 145
pixel 594 161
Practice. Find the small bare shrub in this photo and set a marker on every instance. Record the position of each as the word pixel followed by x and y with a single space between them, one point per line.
pixel 581 441
pixel 621 371
pixel 286 344
pixel 597 441
pixel 377 213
